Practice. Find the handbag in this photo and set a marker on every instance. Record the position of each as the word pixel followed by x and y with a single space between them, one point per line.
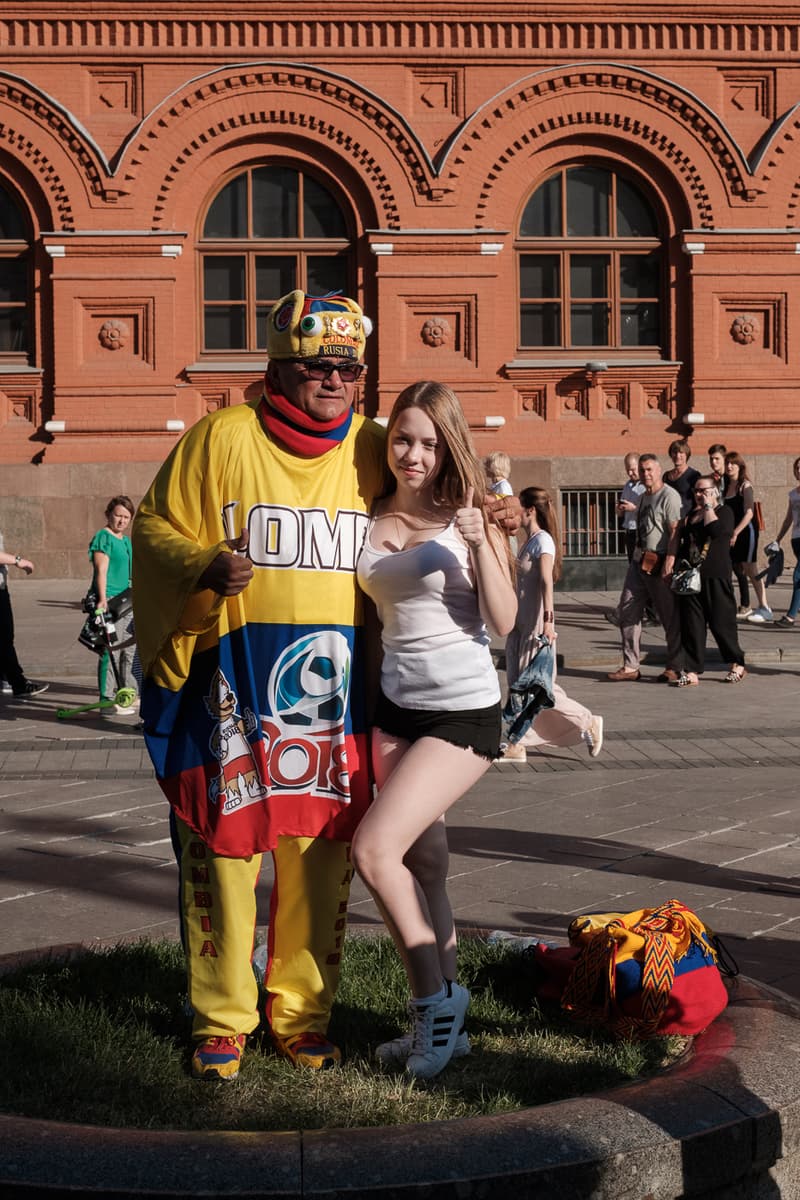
pixel 686 581
pixel 646 973
pixel 651 562
pixel 758 516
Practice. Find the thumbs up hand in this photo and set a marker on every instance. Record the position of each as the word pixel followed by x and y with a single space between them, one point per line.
pixel 469 522
pixel 231 571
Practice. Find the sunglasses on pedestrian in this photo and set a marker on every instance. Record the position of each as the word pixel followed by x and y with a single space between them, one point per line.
pixel 322 369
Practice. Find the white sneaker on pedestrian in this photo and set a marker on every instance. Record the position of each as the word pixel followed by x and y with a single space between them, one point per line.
pixel 593 736
pixel 744 610
pixel 434 1032
pixel 760 616
pixel 398 1050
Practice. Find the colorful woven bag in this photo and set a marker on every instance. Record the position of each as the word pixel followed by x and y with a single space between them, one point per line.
pixel 645 973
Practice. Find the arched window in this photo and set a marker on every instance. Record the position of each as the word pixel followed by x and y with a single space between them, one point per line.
pixel 269 230
pixel 590 263
pixel 15 289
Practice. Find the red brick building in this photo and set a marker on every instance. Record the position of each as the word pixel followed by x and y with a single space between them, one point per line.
pixel 587 224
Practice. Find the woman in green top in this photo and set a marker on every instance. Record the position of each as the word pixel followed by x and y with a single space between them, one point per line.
pixel 110 552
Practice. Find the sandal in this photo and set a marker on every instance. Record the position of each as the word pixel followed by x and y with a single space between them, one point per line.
pixel 735 675
pixel 687 679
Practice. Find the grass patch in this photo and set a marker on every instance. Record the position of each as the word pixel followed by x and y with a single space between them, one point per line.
pixel 102 1037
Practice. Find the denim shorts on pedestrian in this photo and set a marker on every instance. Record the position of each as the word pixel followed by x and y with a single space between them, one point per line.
pixel 476 729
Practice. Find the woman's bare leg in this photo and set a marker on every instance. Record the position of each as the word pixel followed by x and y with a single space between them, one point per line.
pixel 420 782
pixel 751 570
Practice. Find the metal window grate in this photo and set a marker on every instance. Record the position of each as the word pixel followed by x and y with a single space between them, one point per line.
pixel 590 525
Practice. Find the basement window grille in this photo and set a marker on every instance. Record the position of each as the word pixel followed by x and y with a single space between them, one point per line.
pixel 589 523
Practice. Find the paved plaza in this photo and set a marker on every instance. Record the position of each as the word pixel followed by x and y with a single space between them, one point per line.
pixel 693 796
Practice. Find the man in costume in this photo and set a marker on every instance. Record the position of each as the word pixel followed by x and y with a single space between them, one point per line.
pixel 251 635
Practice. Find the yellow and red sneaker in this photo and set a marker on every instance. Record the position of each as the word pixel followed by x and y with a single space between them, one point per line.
pixel 218 1058
pixel 308 1050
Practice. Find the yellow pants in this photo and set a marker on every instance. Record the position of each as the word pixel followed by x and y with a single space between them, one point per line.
pixel 307 918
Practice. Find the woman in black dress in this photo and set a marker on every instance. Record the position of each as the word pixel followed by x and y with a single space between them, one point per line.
pixel 705 540
pixel 740 498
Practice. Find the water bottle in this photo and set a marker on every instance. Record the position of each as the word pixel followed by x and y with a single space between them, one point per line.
pixel 259 961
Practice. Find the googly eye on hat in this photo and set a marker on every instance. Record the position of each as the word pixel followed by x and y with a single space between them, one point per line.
pixel 303 326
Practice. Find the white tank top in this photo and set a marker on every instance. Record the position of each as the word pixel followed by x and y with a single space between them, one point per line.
pixel 435 645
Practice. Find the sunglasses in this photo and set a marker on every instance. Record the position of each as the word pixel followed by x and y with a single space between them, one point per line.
pixel 320 370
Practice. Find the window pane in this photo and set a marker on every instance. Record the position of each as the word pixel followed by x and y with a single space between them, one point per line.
pixel 326 273
pixel 322 216
pixel 225 328
pixel 12 224
pixel 227 217
pixel 13 330
pixel 640 325
pixel 542 215
pixel 13 280
pixel 262 312
pixel 635 218
pixel 589 324
pixel 640 274
pixel 588 190
pixel 588 275
pixel 275 191
pixel 223 277
pixel 539 276
pixel 540 324
pixel 275 276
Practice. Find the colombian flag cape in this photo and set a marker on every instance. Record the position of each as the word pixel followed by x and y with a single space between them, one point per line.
pixel 253 706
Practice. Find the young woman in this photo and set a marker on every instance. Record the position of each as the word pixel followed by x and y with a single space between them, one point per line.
pixel 438 575
pixel 538 567
pixel 682 477
pixel 740 498
pixel 792 521
pixel 110 552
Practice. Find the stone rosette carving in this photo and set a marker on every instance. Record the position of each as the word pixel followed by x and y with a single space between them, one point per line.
pixel 113 335
pixel 745 329
pixel 436 332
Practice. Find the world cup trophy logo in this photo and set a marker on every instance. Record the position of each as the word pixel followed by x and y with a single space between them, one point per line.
pixel 309 685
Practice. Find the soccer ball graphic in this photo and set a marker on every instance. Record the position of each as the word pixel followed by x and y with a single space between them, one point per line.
pixel 310 682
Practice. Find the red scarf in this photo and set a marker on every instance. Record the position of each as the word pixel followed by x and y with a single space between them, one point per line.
pixel 299 432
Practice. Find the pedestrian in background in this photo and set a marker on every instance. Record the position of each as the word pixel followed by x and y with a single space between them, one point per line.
pixel 567 723
pixel 682 477
pixel 705 542
pixel 110 554
pixel 716 463
pixel 497 467
pixel 649 574
pixel 738 494
pixel 10 670
pixel 792 521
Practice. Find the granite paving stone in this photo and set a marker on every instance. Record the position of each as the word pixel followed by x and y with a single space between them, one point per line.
pixel 693 796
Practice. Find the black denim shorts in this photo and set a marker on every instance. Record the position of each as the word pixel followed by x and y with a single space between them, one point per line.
pixel 476 729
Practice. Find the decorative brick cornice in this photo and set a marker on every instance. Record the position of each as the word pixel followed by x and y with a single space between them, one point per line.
pixel 303 113
pixel 361 32
pixel 20 96
pixel 41 167
pixel 554 111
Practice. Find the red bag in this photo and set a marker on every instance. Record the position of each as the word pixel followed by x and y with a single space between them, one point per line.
pixel 642 974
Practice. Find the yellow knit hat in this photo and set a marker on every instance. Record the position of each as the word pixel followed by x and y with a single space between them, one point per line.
pixel 301 326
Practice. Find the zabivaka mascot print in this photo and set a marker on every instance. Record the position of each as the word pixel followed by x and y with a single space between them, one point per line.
pixel 239 782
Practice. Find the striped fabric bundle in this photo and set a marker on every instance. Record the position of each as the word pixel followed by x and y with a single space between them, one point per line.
pixel 646 973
